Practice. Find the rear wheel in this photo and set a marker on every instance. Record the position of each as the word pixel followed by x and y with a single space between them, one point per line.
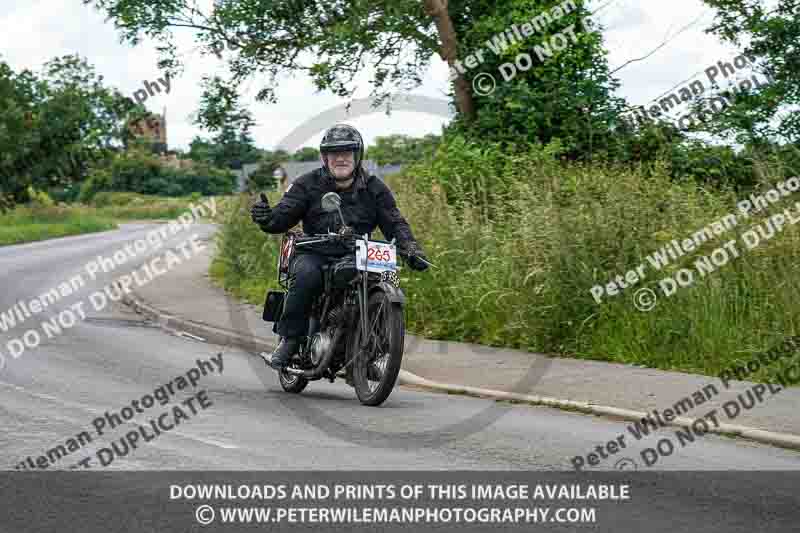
pixel 375 370
pixel 291 382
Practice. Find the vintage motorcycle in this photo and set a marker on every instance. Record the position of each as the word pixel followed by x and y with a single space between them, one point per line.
pixel 356 328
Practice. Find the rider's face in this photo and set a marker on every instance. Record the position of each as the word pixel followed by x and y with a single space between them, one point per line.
pixel 341 163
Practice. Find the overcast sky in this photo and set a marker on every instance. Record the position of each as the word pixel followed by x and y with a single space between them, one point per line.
pixel 33 31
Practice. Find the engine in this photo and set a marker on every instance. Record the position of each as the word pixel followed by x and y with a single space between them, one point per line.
pixel 321 347
pixel 335 316
pixel 322 343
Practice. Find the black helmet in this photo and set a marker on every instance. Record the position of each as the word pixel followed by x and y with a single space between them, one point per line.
pixel 342 138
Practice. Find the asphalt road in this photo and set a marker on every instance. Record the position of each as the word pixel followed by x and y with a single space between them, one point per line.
pixel 54 392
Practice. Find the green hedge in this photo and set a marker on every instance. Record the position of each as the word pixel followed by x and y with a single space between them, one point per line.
pixel 519 273
pixel 144 174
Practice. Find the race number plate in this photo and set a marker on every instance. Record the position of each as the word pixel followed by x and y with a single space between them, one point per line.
pixel 376 256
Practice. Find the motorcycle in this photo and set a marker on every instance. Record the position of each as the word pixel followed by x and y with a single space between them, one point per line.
pixel 356 328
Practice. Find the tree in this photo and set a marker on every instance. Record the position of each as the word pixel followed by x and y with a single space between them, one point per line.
pixel 771 35
pixel 402 149
pixel 17 139
pixel 568 95
pixel 263 177
pixel 221 112
pixel 53 127
pixel 201 150
pixel 331 41
pixel 79 121
pixel 558 86
pixel 307 153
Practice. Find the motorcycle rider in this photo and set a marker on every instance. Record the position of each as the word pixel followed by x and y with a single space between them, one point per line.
pixel 367 203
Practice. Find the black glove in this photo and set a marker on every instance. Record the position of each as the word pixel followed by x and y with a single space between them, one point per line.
pixel 261 212
pixel 414 255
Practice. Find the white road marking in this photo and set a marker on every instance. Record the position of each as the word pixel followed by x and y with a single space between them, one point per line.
pixel 132 421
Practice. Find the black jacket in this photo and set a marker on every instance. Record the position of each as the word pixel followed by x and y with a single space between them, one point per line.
pixel 366 204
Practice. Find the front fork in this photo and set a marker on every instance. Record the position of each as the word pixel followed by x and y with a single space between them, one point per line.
pixel 363 302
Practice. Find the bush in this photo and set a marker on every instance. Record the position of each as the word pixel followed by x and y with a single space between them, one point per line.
pixel 39 198
pixel 67 194
pixel 98 180
pixel 108 199
pixel 523 277
pixel 142 173
pixel 246 257
pixel 519 273
pixel 263 179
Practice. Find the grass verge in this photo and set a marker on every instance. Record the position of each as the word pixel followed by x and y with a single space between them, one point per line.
pixel 37 222
pixel 28 224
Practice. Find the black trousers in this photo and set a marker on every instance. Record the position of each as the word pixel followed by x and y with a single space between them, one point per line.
pixel 306 268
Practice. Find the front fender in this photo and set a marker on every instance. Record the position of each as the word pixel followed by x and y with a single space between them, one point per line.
pixel 394 294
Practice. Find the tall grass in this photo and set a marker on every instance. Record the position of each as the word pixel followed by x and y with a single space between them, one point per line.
pixel 134 206
pixel 36 221
pixel 27 224
pixel 246 259
pixel 517 266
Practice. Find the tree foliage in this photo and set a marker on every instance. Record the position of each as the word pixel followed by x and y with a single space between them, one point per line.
pixel 221 112
pixel 567 97
pixel 138 171
pixel 564 97
pixel 330 41
pixel 770 33
pixel 306 153
pixel 54 126
pixel 402 149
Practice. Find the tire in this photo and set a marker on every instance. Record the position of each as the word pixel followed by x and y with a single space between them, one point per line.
pixel 391 327
pixel 292 383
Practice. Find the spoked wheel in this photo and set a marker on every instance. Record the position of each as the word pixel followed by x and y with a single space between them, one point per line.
pixel 291 382
pixel 375 371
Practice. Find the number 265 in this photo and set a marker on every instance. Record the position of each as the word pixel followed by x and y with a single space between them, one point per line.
pixel 378 255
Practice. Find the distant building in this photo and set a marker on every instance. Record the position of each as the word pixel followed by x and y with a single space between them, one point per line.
pixel 170 159
pixel 152 128
pixel 294 169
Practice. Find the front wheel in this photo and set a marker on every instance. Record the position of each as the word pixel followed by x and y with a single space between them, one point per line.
pixel 375 370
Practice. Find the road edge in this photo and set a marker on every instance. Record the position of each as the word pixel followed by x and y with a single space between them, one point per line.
pixel 226 337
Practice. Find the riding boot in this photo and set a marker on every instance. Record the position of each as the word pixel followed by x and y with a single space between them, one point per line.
pixel 283 353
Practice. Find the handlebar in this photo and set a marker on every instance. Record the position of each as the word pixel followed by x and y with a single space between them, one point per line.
pixel 331 236
pixel 337 237
pixel 324 237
